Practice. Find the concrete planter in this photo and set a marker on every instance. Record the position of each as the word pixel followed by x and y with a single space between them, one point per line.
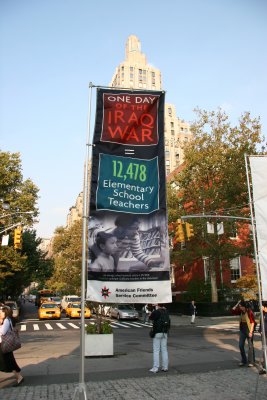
pixel 99 345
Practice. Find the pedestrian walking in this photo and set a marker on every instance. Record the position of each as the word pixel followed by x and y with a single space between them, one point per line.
pixel 264 310
pixel 7 360
pixel 161 326
pixel 146 313
pixel 246 332
pixel 193 311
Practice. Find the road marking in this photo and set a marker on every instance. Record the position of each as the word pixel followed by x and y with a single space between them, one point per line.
pixel 117 323
pixel 60 325
pixel 49 327
pixel 36 327
pixel 73 325
pixel 23 327
pixel 133 324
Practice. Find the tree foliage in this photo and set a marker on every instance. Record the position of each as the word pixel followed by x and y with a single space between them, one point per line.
pixel 67 251
pixel 213 181
pixel 22 195
pixel 19 267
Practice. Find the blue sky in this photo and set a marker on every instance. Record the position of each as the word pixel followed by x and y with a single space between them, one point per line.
pixel 212 53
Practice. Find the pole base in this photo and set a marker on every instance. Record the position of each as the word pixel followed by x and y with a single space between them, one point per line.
pixel 80 392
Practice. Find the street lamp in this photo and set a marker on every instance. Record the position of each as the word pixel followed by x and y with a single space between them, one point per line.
pixel 5 204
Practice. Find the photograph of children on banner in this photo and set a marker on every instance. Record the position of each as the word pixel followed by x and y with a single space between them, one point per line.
pixel 120 242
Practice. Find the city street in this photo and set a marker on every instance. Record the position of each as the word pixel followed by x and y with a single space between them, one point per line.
pixel 202 358
pixel 52 355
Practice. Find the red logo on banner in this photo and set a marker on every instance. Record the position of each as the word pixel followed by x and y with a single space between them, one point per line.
pixel 130 119
pixel 105 292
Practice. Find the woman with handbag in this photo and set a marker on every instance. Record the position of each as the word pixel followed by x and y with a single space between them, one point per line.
pixel 10 364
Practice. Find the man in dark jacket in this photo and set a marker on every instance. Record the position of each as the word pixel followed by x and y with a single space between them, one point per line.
pixel 161 326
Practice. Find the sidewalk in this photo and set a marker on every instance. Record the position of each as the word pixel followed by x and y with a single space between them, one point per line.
pixel 237 384
pixel 223 382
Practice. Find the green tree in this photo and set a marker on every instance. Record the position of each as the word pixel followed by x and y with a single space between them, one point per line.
pixel 67 251
pixel 213 181
pixel 22 196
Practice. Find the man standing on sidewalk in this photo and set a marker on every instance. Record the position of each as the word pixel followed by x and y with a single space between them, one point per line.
pixel 146 313
pixel 246 331
pixel 193 311
pixel 161 326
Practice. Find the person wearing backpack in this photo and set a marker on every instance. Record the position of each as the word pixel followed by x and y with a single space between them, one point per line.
pixel 161 325
pixel 246 332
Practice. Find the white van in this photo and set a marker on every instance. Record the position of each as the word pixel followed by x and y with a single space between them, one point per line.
pixel 70 298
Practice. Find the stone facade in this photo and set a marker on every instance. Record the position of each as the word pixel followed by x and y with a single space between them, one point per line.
pixel 136 73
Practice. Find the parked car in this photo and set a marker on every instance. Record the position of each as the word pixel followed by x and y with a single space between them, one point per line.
pixel 73 310
pixel 49 310
pixel 70 298
pixel 14 307
pixel 123 311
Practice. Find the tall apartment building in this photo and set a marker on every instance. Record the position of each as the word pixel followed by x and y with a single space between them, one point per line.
pixel 136 73
pixel 76 211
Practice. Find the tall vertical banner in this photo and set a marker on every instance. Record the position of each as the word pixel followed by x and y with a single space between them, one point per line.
pixel 127 235
pixel 258 166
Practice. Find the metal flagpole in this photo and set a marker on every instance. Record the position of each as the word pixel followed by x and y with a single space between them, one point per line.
pixel 81 390
pixel 263 337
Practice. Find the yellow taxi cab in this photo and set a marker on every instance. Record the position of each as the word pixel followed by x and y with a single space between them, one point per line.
pixel 73 310
pixel 49 310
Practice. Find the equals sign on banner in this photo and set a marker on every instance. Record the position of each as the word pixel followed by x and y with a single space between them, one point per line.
pixel 129 152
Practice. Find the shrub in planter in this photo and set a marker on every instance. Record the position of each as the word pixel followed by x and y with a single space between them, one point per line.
pixel 99 327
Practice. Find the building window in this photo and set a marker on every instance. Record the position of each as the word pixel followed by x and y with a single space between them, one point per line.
pixel 235 269
pixel 172 124
pixel 172 132
pixel 167 163
pixel 170 111
pixel 131 69
pixel 167 154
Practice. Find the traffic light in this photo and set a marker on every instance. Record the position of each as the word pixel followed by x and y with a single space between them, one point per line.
pixel 179 232
pixel 18 238
pixel 189 230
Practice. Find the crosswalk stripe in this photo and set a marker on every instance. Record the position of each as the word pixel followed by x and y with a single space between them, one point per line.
pixel 61 326
pixel 23 327
pixel 133 324
pixel 73 325
pixel 36 327
pixel 117 323
pixel 49 327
